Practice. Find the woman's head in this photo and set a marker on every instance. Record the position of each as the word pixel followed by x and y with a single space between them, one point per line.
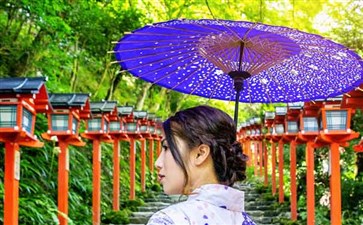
pixel 205 126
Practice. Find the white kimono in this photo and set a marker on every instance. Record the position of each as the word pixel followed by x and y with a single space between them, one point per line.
pixel 211 204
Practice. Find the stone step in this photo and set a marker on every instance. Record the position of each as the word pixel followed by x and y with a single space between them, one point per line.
pixel 140 217
pixel 157 204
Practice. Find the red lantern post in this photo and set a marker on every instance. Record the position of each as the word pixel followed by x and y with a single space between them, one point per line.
pixel 131 128
pixel 97 130
pixel 277 137
pixel 20 100
pixel 309 130
pixel 269 119
pixel 63 123
pixel 117 134
pixel 290 136
pixel 144 129
pixel 336 131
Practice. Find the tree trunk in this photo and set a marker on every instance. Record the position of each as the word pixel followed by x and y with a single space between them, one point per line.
pixel 104 74
pixel 156 106
pixel 141 99
pixel 75 67
pixel 114 85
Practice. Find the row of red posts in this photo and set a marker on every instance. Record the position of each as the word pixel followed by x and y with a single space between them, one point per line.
pixel 315 124
pixel 22 98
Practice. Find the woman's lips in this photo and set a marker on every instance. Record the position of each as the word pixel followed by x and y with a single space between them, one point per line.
pixel 160 177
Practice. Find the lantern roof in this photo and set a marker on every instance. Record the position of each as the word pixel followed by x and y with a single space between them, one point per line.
pixel 103 106
pixel 59 100
pixel 140 114
pixel 125 110
pixel 27 86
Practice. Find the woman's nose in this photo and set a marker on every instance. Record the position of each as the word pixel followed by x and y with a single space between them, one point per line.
pixel 158 162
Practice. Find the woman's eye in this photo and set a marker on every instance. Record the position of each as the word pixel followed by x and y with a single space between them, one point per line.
pixel 165 147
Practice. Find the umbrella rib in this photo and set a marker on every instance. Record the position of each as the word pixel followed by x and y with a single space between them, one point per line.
pixel 150 71
pixel 190 74
pixel 249 30
pixel 267 92
pixel 146 48
pixel 216 87
pixel 192 40
pixel 200 83
pixel 155 54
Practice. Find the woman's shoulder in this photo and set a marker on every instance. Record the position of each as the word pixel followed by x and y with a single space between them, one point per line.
pixel 173 214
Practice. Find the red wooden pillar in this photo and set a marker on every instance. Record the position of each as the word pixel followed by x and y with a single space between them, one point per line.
pixel 132 169
pixel 63 168
pixel 96 194
pixel 335 188
pixel 143 163
pixel 116 175
pixel 273 168
pixel 293 197
pixel 261 148
pixel 12 176
pixel 151 155
pixel 255 156
pixel 158 147
pixel 310 183
pixel 265 151
pixel 281 171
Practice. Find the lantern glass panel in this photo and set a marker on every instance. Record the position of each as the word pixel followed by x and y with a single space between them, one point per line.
pixel 131 127
pixel 310 124
pixel 8 116
pixel 152 129
pixel 143 128
pixel 115 126
pixel 336 119
pixel 94 124
pixel 74 125
pixel 269 115
pixel 159 131
pixel 60 122
pixel 105 126
pixel 27 120
pixel 279 128
pixel 271 129
pixel 292 127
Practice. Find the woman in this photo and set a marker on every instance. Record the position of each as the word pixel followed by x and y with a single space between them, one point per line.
pixel 202 159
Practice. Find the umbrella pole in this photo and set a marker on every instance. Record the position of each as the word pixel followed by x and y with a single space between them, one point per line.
pixel 236 107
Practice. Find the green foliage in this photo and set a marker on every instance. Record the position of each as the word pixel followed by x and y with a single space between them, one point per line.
pixel 116 217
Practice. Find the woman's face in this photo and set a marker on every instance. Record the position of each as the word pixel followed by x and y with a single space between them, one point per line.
pixel 170 174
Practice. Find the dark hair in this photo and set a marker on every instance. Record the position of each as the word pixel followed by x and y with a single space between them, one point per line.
pixel 213 127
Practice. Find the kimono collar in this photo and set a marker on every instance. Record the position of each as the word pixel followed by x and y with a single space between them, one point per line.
pixel 219 195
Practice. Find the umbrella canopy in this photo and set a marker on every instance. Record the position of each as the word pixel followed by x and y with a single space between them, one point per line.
pixel 240 61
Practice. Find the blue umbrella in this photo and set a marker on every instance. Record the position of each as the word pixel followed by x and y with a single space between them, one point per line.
pixel 239 61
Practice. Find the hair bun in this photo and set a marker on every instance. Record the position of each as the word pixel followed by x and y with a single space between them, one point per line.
pixel 236 162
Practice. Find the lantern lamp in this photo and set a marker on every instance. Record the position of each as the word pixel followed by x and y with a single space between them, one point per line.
pixel 269 115
pixel 99 123
pixel 141 116
pixel 66 115
pixel 20 100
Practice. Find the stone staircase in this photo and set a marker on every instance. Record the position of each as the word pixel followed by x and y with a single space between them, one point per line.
pixel 263 212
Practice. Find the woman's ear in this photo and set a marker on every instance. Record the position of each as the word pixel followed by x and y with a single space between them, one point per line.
pixel 201 154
